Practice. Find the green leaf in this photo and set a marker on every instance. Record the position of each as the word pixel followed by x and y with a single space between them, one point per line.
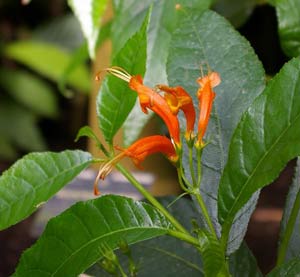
pixel 7 150
pixel 267 137
pixel 30 91
pixel 236 11
pixel 206 38
pixel 292 268
pixel 34 179
pixel 162 256
pixel 89 14
pixel 288 14
pixel 127 21
pixel 243 263
pixel 134 124
pixel 71 242
pixel 212 254
pixel 165 256
pixel 20 127
pixel 77 59
pixel 115 99
pixel 163 21
pixel 48 60
pixel 291 212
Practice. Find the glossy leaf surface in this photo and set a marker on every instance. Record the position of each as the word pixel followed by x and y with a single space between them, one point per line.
pixel 33 179
pixel 72 242
pixel 203 38
pixel 288 15
pixel 115 99
pixel 267 137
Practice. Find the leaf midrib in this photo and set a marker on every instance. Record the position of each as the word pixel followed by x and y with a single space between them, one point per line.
pixel 24 195
pixel 230 217
pixel 103 236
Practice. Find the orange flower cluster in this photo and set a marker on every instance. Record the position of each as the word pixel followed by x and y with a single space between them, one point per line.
pixel 167 107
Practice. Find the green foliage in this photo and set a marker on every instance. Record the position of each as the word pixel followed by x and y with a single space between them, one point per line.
pixel 74 239
pixel 35 178
pixel 236 11
pixel 288 14
pixel 291 268
pixel 19 129
pixel 212 255
pixel 266 138
pixel 89 13
pixel 243 263
pixel 30 91
pixel 115 99
pixel 290 224
pixel 49 61
pixel 253 132
pixel 164 255
pixel 201 39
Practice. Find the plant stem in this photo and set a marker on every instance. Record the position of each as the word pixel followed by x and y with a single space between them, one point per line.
pixel 205 212
pixel 185 237
pixel 199 152
pixel 192 165
pixel 288 231
pixel 152 199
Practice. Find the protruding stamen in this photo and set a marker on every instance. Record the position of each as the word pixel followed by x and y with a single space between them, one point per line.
pixel 119 72
pixel 105 169
pixel 116 71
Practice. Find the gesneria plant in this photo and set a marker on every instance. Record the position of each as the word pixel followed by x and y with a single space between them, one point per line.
pixel 229 135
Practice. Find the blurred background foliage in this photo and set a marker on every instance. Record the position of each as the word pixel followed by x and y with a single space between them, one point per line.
pixel 42 95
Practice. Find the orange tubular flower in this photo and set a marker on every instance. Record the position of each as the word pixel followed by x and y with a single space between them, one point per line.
pixel 178 99
pixel 149 99
pixel 206 96
pixel 138 151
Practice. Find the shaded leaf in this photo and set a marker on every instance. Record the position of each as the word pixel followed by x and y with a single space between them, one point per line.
pixel 206 38
pixel 30 91
pixel 292 268
pixel 162 256
pixel 115 99
pixel 288 15
pixel 89 14
pixel 236 11
pixel 267 137
pixel 292 250
pixel 134 124
pixel 77 60
pixel 48 60
pixel 34 179
pixel 243 263
pixel 212 255
pixel 7 150
pixel 20 127
pixel 72 242
pixel 62 31
pixel 165 256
